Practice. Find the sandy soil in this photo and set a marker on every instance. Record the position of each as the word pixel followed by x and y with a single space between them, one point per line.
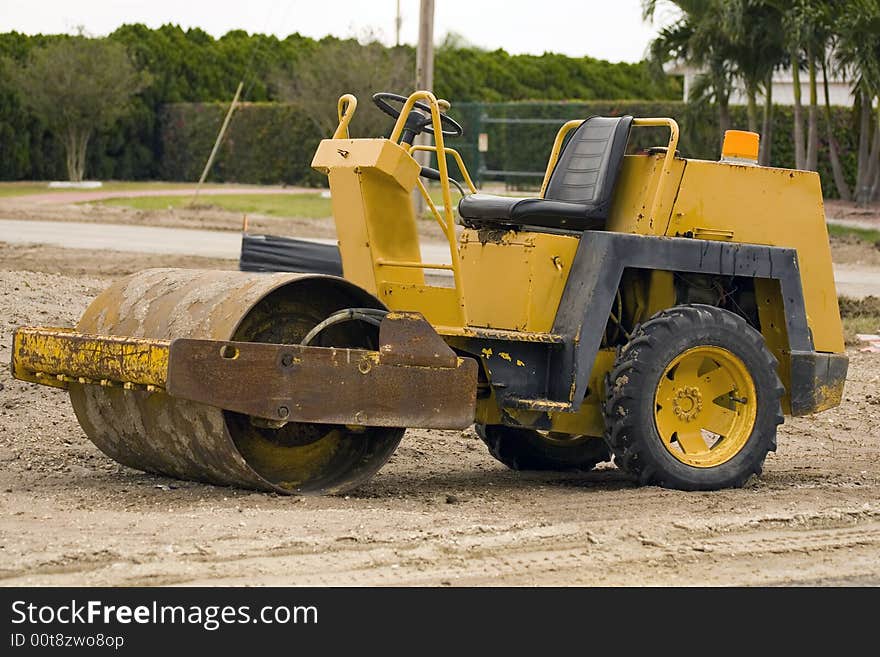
pixel 82 262
pixel 851 250
pixel 852 211
pixel 442 512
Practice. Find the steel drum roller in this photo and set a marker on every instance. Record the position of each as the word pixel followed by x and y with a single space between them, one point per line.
pixel 189 440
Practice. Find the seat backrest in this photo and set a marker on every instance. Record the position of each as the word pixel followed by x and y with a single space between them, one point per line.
pixel 587 168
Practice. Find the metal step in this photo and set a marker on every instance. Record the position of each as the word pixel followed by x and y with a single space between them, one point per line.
pixel 500 334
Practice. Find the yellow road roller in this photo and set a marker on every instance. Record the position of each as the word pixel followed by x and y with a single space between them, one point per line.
pixel 664 311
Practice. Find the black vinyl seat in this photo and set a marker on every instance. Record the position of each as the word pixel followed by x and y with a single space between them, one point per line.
pixel 580 189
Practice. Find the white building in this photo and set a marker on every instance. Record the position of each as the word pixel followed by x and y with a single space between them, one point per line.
pixel 839 91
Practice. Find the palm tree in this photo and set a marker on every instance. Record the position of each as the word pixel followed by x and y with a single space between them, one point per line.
pixel 754 30
pixel 805 25
pixel 698 38
pixel 749 39
pixel 857 55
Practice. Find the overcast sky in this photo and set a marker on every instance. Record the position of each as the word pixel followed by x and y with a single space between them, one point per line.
pixel 608 29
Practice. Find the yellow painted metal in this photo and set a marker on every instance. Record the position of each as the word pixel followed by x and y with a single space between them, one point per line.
pixel 507 287
pixel 771 315
pixel 516 280
pixel 659 205
pixel 371 181
pixel 439 305
pixel 638 185
pixel 647 186
pixel 705 406
pixel 764 205
pixel 499 334
pixel 56 357
pixel 661 292
pixel 345 109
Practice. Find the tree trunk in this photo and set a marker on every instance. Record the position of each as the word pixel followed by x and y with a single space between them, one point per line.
pixel 833 153
pixel 76 142
pixel 873 174
pixel 800 157
pixel 83 146
pixel 875 193
pixel 752 106
pixel 723 115
pixel 862 182
pixel 813 120
pixel 766 148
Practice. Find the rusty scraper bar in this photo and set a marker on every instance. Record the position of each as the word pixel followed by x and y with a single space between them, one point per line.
pixel 414 380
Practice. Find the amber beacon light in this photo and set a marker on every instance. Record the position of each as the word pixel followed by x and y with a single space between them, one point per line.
pixel 740 145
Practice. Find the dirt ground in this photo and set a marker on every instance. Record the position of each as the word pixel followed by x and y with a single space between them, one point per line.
pixel 852 211
pixel 442 512
pixel 850 250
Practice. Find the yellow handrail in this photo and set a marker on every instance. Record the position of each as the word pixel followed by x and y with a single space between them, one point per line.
pixel 443 221
pixel 345 108
pixel 557 148
pixel 412 264
pixel 449 224
pixel 455 156
pixel 666 170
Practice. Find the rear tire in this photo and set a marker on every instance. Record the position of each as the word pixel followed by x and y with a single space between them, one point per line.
pixel 527 449
pixel 693 400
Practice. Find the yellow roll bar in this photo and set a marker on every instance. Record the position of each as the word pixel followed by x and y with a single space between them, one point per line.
pixel 447 221
pixel 642 123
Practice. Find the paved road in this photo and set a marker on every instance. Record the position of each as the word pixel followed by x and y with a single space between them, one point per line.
pixel 857 280
pixel 150 239
pixel 852 280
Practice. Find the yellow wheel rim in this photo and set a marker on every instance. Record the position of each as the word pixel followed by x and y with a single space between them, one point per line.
pixel 705 405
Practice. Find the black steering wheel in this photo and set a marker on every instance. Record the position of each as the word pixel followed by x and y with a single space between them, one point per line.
pixel 416 122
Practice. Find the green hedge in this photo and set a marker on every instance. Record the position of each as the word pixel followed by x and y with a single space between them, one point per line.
pixel 28 151
pixel 191 66
pixel 266 143
pixel 274 143
pixel 526 147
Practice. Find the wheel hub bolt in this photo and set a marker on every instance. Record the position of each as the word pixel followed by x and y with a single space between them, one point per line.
pixel 687 403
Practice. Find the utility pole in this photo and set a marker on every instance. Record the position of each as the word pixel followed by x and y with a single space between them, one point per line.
pixel 397 23
pixel 424 80
pixel 425 51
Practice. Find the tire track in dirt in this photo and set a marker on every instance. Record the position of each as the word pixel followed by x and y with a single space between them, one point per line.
pixel 562 553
